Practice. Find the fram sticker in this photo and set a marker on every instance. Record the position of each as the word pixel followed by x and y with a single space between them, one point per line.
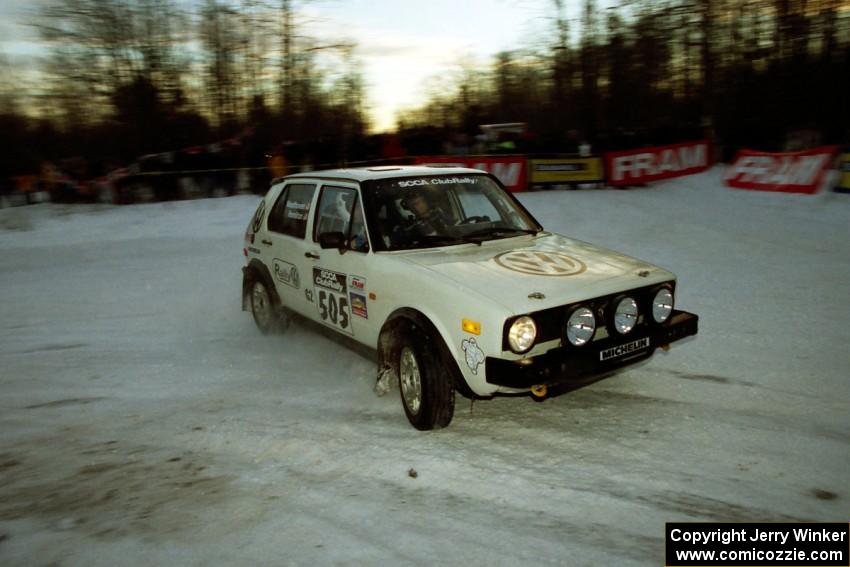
pixel 358 305
pixel 358 283
pixel 474 354
pixel 286 273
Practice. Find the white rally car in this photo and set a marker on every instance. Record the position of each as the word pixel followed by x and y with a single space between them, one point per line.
pixel 453 282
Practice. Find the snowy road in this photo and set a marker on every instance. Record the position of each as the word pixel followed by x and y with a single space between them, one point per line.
pixel 144 420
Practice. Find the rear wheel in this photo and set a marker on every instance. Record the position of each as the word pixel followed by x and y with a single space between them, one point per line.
pixel 263 308
pixel 427 393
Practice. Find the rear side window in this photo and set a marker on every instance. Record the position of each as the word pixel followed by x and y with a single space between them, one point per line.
pixel 292 209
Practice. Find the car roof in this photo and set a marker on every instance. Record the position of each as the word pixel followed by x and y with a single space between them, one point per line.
pixel 381 172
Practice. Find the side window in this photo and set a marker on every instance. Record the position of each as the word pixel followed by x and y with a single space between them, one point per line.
pixel 334 210
pixel 292 209
pixel 275 217
pixel 340 211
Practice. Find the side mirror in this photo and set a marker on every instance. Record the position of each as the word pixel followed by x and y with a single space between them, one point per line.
pixel 332 240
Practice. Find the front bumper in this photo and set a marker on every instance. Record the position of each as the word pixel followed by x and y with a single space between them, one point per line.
pixel 564 364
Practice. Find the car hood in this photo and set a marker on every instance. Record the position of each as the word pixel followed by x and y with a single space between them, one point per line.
pixel 531 273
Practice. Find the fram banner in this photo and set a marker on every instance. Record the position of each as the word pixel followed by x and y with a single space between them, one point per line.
pixel 643 165
pixel 510 170
pixel 844 180
pixel 568 170
pixel 797 172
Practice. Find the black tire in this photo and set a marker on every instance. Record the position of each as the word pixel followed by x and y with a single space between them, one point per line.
pixel 264 306
pixel 434 406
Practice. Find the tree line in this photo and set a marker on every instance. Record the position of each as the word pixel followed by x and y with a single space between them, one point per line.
pixel 768 74
pixel 123 78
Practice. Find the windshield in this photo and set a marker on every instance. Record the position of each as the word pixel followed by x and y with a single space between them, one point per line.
pixel 441 210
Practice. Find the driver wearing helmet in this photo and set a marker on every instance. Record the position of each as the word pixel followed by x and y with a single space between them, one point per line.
pixel 427 219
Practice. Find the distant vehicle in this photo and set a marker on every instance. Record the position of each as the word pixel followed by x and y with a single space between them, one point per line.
pixel 502 137
pixel 453 282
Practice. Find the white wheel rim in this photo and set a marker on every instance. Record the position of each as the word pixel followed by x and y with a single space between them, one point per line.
pixel 260 304
pixel 411 383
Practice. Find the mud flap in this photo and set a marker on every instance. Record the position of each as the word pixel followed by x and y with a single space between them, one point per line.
pixel 386 378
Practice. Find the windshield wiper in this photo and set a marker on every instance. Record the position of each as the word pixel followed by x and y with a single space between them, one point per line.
pixel 476 237
pixel 433 240
pixel 500 232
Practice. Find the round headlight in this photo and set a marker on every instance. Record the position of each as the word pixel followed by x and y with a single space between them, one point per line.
pixel 625 315
pixel 662 305
pixel 580 326
pixel 522 334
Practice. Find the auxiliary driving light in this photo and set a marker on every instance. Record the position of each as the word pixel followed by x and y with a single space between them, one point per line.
pixel 580 326
pixel 625 315
pixel 662 305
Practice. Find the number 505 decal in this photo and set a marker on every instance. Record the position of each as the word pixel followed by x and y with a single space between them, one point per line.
pixel 330 291
pixel 334 310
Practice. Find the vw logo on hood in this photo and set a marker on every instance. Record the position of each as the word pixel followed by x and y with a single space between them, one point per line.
pixel 540 263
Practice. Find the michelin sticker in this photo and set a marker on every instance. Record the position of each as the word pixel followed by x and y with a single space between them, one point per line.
pixel 286 273
pixel 474 354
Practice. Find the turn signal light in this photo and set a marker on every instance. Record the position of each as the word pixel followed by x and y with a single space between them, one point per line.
pixel 471 326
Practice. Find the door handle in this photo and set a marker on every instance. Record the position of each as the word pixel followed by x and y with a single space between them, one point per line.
pixel 266 242
pixel 311 255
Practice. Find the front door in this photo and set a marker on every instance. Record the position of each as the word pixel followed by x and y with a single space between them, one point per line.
pixel 340 276
pixel 287 233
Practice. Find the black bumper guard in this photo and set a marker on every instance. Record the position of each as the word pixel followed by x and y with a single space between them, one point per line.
pixel 567 363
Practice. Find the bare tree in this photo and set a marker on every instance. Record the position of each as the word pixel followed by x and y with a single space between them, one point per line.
pixel 221 44
pixel 8 95
pixel 98 46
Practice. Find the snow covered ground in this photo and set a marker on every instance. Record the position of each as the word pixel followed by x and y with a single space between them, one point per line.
pixel 144 420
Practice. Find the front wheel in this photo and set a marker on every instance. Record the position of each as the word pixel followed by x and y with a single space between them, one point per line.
pixel 427 393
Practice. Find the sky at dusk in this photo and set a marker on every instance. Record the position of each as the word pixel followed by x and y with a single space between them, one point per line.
pixel 409 48
pixel 404 47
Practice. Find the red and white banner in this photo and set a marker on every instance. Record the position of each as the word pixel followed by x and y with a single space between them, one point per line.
pixel 510 170
pixel 643 165
pixel 797 172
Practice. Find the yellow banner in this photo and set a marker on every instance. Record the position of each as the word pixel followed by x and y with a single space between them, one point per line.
pixel 577 170
pixel 844 181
